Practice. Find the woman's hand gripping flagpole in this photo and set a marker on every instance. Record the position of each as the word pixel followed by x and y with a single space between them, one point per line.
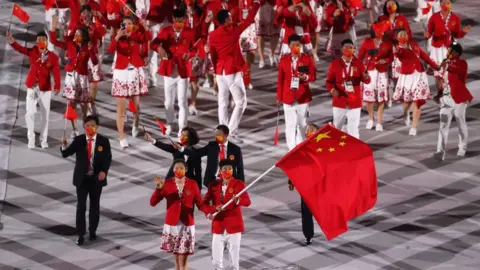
pixel 241 192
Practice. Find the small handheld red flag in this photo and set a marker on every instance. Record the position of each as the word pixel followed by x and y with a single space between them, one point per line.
pixel 426 10
pixel 132 107
pixel 70 113
pixel 161 125
pixel 21 14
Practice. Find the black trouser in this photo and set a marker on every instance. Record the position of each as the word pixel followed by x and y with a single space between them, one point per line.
pixel 93 189
pixel 307 221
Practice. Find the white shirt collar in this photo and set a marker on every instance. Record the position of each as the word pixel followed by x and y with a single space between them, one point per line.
pixel 94 137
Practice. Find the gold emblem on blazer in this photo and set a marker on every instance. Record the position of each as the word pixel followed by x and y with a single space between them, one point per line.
pixel 230 190
pixel 232 157
pixel 354 70
pixel 100 148
pixel 187 192
pixel 453 23
pixel 400 23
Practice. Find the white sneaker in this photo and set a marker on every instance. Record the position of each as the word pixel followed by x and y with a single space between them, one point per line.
pixel 273 61
pixel 406 119
pixel 412 132
pixel 417 19
pixel 317 59
pixel 261 64
pixel 169 130
pixel 461 152
pixel 250 86
pixel 75 133
pixel 379 127
pixel 134 131
pixel 124 143
pixel 44 145
pixel 31 144
pixel 369 124
pixel 192 110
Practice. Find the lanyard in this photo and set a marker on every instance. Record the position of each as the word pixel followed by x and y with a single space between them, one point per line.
pixel 349 70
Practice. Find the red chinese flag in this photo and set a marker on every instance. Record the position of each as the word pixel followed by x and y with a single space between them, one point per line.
pixel 21 14
pixel 48 4
pixel 70 113
pixel 161 125
pixel 275 138
pixel 356 4
pixel 131 106
pixel 335 175
pixel 426 10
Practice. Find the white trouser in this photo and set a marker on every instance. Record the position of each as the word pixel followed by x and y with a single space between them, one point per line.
pixel 295 123
pixel 34 96
pixel 233 245
pixel 353 120
pixel 446 114
pixel 233 84
pixel 179 86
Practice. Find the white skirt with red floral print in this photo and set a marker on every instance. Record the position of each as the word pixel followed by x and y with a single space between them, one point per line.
pixel 377 89
pixel 396 66
pixel 248 39
pixel 76 88
pixel 438 55
pixel 94 72
pixel 179 239
pixel 412 87
pixel 129 82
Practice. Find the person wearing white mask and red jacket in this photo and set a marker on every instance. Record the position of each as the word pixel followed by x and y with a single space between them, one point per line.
pixel 453 98
pixel 344 79
pixel 42 63
pixel 295 71
pixel 227 226
pixel 174 44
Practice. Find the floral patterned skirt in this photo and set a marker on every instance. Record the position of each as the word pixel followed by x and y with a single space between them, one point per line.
pixel 179 239
pixel 437 55
pixel 94 71
pixel 396 66
pixel 377 89
pixel 248 39
pixel 76 88
pixel 412 87
pixel 129 82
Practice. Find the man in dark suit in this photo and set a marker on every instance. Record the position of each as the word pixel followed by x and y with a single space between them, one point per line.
pixel 217 151
pixel 93 159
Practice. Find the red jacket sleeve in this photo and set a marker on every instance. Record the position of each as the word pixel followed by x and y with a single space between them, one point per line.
pixel 249 19
pixel 243 200
pixel 56 73
pixel 19 48
pixel 207 200
pixel 331 78
pixel 56 42
pixel 460 68
pixel 93 56
pixel 205 208
pixel 366 80
pixel 425 57
pixel 362 53
pixel 213 56
pixel 157 196
pixel 312 70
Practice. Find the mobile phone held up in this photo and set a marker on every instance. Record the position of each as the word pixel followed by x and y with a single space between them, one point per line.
pixel 122 26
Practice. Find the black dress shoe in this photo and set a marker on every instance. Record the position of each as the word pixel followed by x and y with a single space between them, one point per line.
pixel 308 241
pixel 80 241
pixel 92 237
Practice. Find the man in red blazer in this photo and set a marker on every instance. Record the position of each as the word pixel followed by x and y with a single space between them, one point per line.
pixel 227 226
pixel 344 77
pixel 229 65
pixel 174 44
pixel 42 63
pixel 295 71
pixel 454 98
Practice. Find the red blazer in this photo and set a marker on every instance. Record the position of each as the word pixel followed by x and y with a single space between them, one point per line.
pixel 399 22
pixel 231 219
pixel 161 10
pixel 285 72
pixel 75 7
pixel 441 36
pixel 224 45
pixel 343 22
pixel 175 50
pixel 385 52
pixel 196 21
pixel 77 60
pixel 410 59
pixel 335 80
pixel 216 5
pixel 130 50
pixel 289 21
pixel 457 78
pixel 179 209
pixel 39 73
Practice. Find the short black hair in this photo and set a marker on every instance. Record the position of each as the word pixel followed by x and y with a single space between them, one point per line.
pixel 180 161
pixel 224 129
pixel 193 137
pixel 91 117
pixel 42 34
pixel 85 7
pixel 225 162
pixel 179 13
pixel 129 17
pixel 385 11
pixel 294 37
pixel 347 41
pixel 456 47
pixel 222 16
pixel 372 32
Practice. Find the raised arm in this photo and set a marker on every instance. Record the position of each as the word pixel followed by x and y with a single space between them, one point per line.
pixel 165 147
pixel 56 42
pixel 250 17
pixel 71 149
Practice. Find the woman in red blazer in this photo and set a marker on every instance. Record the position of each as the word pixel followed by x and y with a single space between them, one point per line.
pixel 412 85
pixel 377 55
pixel 129 81
pixel 339 15
pixel 78 54
pixel 181 194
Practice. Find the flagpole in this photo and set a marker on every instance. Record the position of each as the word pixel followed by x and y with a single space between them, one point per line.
pixel 245 189
pixel 11 16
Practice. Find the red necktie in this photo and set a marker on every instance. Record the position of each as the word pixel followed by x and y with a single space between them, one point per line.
pixel 89 153
pixel 221 155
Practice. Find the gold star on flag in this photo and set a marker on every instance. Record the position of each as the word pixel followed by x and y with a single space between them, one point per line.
pixel 331 149
pixel 341 143
pixel 319 149
pixel 322 136
pixel 344 137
